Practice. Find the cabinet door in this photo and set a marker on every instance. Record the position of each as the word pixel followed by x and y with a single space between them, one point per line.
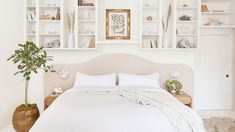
pixel 213 91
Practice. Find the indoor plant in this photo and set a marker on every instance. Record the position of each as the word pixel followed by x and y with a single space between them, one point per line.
pixel 30 59
pixel 174 86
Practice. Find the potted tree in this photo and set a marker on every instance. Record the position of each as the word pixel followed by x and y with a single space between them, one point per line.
pixel 29 59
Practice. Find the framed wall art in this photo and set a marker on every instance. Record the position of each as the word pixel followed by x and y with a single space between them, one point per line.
pixel 118 24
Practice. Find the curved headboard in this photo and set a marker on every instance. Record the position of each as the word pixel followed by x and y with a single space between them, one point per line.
pixel 118 63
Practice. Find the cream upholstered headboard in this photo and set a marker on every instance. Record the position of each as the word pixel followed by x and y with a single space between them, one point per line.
pixel 117 63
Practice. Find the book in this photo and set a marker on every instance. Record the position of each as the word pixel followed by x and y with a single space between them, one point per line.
pixel 29 18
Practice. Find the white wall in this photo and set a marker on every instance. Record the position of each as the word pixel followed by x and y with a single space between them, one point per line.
pixel 11 33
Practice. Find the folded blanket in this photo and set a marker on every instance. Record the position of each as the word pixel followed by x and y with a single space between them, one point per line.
pixel 182 117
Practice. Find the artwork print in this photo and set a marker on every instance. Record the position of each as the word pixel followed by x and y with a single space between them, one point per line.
pixel 118 24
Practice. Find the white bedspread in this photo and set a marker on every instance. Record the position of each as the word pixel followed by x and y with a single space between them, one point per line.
pixel 79 110
pixel 183 118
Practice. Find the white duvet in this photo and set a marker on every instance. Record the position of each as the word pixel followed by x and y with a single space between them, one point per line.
pixel 111 110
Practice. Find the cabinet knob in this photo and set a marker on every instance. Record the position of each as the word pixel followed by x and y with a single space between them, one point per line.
pixel 227 75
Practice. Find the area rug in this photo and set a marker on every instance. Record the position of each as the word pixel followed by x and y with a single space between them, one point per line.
pixel 219 124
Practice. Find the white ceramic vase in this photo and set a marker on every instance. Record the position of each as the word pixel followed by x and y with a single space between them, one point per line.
pixel 165 42
pixel 71 41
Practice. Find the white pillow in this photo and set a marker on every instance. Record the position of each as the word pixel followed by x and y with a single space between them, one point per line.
pixel 151 80
pixel 95 80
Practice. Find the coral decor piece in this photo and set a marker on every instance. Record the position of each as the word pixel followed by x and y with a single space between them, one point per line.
pixel 185 18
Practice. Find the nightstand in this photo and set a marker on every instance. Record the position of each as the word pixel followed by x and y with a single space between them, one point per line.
pixel 184 98
pixel 49 100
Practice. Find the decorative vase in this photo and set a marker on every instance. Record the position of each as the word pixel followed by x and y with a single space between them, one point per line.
pixel 25 117
pixel 71 41
pixel 165 42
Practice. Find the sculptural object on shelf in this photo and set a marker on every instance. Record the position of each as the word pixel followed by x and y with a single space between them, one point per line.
pixel 185 18
pixel 149 18
pixel 213 22
pixel 204 8
pixel 185 5
pixel 53 44
pixel 184 43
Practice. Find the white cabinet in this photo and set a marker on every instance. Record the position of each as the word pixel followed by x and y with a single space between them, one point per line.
pixel 213 91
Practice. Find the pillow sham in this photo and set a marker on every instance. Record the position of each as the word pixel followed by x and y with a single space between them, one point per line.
pixel 150 80
pixel 94 80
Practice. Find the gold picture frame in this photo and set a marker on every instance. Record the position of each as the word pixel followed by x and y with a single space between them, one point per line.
pixel 118 24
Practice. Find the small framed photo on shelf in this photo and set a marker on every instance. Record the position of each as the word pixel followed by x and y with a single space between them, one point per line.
pixel 118 24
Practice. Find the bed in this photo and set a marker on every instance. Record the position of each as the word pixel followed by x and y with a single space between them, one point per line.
pixel 117 108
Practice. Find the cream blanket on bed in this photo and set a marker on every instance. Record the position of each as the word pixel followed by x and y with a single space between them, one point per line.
pixel 183 118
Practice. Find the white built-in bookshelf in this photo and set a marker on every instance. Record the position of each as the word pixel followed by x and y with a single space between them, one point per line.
pixel 85 24
pixel 46 23
pixel 151 22
pixel 30 20
pixel 218 14
pixel 51 23
pixel 186 24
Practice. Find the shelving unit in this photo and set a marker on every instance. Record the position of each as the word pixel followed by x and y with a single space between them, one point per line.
pixel 47 26
pixel 30 20
pixel 146 23
pixel 218 14
pixel 85 25
pixel 151 24
pixel 51 19
pixel 186 32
